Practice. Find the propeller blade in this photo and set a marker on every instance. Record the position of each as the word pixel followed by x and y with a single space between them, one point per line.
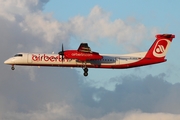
pixel 62 53
pixel 62 58
pixel 62 48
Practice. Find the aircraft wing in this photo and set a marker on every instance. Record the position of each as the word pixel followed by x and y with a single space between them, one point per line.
pixel 84 48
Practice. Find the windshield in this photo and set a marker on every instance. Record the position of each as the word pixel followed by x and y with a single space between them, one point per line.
pixel 18 55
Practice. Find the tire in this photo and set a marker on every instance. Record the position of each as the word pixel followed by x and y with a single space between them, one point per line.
pixel 85 69
pixel 12 68
pixel 85 74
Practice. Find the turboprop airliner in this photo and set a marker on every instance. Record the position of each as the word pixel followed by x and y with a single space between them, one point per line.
pixel 85 58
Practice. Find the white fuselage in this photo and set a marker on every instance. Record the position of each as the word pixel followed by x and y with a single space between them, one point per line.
pixel 108 61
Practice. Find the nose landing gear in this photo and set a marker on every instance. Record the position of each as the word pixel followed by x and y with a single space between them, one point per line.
pixel 85 71
pixel 12 68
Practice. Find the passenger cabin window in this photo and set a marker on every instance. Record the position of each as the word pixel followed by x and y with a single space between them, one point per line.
pixel 18 55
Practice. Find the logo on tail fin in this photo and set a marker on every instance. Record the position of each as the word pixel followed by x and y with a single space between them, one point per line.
pixel 161 48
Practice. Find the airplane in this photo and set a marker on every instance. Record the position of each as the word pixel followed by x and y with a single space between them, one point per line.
pixel 85 58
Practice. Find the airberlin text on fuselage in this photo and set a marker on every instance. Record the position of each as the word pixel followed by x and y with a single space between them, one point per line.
pixel 46 58
pixel 81 54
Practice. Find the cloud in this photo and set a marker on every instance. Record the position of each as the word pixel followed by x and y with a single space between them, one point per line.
pixel 28 88
pixel 40 24
pixel 11 9
pixel 138 115
pixel 47 32
pixel 98 25
pixel 56 112
pixel 29 27
pixel 151 94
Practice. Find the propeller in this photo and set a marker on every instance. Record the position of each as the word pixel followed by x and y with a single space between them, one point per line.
pixel 62 53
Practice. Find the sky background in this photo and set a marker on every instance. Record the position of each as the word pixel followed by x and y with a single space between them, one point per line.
pixel 113 27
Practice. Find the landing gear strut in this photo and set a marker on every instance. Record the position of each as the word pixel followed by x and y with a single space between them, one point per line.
pixel 85 71
pixel 12 68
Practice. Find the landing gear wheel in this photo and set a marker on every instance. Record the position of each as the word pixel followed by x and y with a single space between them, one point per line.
pixel 85 69
pixel 12 68
pixel 85 74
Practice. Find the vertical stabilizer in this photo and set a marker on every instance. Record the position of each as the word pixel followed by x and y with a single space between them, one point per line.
pixel 160 47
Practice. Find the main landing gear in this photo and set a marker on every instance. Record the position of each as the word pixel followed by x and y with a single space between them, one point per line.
pixel 85 71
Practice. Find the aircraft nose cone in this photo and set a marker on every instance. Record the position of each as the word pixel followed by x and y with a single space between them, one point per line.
pixel 8 61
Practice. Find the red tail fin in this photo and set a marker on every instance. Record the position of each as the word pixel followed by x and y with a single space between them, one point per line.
pixel 160 46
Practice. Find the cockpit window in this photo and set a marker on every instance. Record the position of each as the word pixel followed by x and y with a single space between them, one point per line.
pixel 18 55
